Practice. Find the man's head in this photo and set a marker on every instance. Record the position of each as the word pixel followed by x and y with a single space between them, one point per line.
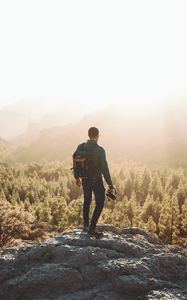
pixel 93 133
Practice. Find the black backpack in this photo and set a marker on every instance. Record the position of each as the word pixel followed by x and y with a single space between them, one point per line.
pixel 83 164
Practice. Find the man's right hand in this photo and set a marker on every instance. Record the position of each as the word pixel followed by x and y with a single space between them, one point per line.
pixel 111 187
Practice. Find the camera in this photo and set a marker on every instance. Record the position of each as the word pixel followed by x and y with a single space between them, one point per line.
pixel 111 194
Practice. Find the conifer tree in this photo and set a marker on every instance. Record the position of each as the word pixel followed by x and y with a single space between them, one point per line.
pixel 151 225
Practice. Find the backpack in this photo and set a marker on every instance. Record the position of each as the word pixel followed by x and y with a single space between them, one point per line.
pixel 83 164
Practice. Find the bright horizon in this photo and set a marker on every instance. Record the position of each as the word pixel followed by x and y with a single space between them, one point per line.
pixel 122 52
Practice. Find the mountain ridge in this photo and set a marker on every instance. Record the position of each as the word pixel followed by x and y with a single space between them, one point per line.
pixel 42 112
pixel 142 138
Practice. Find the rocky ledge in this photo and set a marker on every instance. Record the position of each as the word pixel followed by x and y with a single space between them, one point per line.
pixel 126 263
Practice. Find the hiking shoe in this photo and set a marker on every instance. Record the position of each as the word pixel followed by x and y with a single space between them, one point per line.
pixel 96 234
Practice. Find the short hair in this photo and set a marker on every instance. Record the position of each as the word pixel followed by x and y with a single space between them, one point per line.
pixel 93 132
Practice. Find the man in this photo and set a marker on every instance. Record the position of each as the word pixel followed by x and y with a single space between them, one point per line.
pixel 95 182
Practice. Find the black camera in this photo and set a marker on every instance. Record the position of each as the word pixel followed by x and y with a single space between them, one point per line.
pixel 111 194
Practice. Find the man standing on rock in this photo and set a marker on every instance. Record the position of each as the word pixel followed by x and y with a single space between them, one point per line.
pixel 89 164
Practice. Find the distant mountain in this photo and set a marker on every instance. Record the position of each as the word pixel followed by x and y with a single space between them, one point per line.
pixel 16 117
pixel 12 123
pixel 146 137
pixel 28 116
pixel 47 121
pixel 3 144
pixel 29 136
pixel 6 151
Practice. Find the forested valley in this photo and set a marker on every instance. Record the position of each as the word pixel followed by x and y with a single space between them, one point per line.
pixel 34 197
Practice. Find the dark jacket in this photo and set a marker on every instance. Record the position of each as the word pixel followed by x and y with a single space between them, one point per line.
pixel 100 162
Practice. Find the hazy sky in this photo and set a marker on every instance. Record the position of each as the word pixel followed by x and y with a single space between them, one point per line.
pixel 97 50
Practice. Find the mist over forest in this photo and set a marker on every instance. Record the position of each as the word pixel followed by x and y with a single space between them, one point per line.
pixel 143 134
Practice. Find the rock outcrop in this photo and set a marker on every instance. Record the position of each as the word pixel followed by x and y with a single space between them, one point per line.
pixel 125 263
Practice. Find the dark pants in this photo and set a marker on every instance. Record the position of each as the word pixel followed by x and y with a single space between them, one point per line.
pixel 96 186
